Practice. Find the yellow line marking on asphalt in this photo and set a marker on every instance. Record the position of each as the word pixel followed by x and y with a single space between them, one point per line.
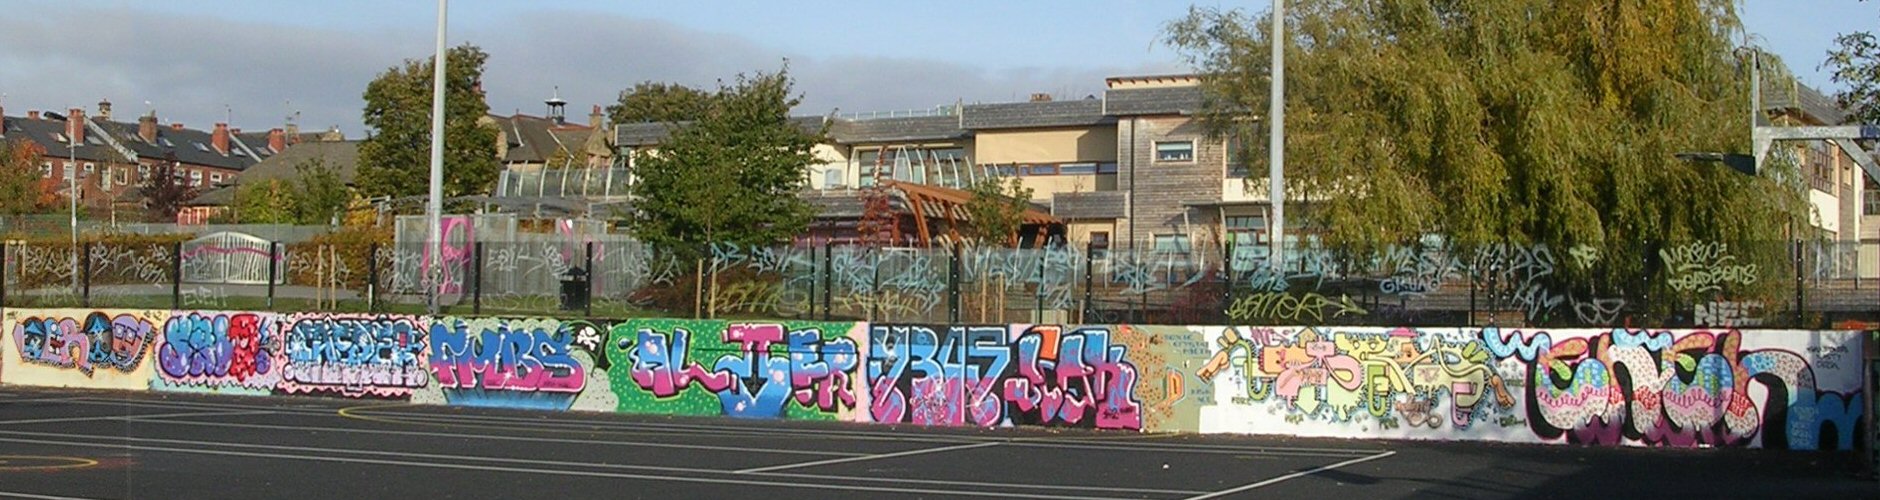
pixel 6 462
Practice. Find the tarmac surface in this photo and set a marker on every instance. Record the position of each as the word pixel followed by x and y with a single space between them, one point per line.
pixel 60 444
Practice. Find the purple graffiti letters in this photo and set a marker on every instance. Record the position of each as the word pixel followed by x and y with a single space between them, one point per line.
pixel 220 348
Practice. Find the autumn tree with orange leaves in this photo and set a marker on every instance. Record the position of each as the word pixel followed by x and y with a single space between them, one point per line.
pixel 22 189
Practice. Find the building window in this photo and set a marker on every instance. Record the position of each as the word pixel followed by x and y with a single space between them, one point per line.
pixel 45 169
pixel 1100 240
pixel 1040 170
pixel 143 171
pixel 89 168
pixel 1175 151
pixel 1077 168
pixel 1172 243
pixel 1106 168
pixel 195 177
pixel 1870 200
pixel 122 175
pixel 215 178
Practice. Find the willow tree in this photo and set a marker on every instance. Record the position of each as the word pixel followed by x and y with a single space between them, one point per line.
pixel 1517 122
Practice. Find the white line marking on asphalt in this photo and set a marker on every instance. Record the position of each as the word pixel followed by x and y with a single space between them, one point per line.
pixel 589 442
pixel 10 494
pixel 1294 475
pixel 519 470
pixel 833 461
pixel 858 435
pixel 126 417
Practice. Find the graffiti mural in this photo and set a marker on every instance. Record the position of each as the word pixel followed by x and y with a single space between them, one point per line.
pixel 992 375
pixel 796 370
pixel 99 340
pixel 217 350
pixel 1657 388
pixel 512 363
pixel 354 355
pixel 79 347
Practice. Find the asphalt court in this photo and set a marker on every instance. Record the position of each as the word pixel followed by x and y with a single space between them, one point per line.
pixel 104 445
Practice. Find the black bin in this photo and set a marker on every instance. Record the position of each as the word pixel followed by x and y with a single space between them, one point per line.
pixel 574 290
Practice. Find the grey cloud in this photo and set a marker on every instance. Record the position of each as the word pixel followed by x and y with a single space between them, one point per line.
pixel 191 66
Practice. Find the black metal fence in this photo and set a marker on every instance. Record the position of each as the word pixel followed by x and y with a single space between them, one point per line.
pixel 1808 284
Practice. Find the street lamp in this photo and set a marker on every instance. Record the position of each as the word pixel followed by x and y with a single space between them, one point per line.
pixel 71 179
pixel 436 209
pixel 1276 148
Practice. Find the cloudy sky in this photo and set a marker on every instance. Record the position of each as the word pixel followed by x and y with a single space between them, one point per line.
pixel 256 62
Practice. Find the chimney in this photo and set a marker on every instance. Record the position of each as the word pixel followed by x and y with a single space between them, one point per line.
pixel 104 109
pixel 293 133
pixel 277 140
pixel 75 125
pixel 219 138
pixel 333 135
pixel 1041 97
pixel 177 126
pixel 147 128
pixel 32 114
pixel 594 117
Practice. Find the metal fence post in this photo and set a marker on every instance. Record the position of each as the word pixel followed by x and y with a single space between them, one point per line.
pixel 874 286
pixel 1090 260
pixel 372 277
pixel 1037 289
pixel 3 274
pixel 953 286
pixel 86 300
pixel 476 297
pixel 1801 298
pixel 589 302
pixel 814 274
pixel 1227 266
pixel 176 275
pixel 829 272
pixel 274 253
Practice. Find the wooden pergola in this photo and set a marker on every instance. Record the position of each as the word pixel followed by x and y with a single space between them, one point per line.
pixel 929 205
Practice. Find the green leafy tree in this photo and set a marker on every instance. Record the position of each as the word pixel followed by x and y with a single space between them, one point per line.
pixel 321 198
pixel 659 102
pixel 997 210
pixel 265 202
pixel 1485 123
pixel 315 197
pixel 395 159
pixel 1856 64
pixel 731 176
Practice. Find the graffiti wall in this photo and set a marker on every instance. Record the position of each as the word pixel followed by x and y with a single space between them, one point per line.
pixel 997 375
pixel 101 349
pixel 795 370
pixel 535 363
pixel 1622 386
pixel 209 351
pixel 1783 389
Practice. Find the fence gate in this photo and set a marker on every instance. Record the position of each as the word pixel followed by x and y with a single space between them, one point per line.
pixel 229 258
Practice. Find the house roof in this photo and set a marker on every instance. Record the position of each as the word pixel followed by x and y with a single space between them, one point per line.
pixel 1079 113
pixel 924 128
pixel 1793 96
pixel 1152 101
pixel 341 156
pixel 50 135
pixel 1090 205
pixel 651 133
pixel 534 139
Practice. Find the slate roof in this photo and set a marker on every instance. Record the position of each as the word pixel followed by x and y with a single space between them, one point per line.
pixel 42 132
pixel 1792 95
pixel 341 156
pixel 844 204
pixel 925 128
pixel 1152 101
pixel 1090 205
pixel 534 139
pixel 1079 113
pixel 650 133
